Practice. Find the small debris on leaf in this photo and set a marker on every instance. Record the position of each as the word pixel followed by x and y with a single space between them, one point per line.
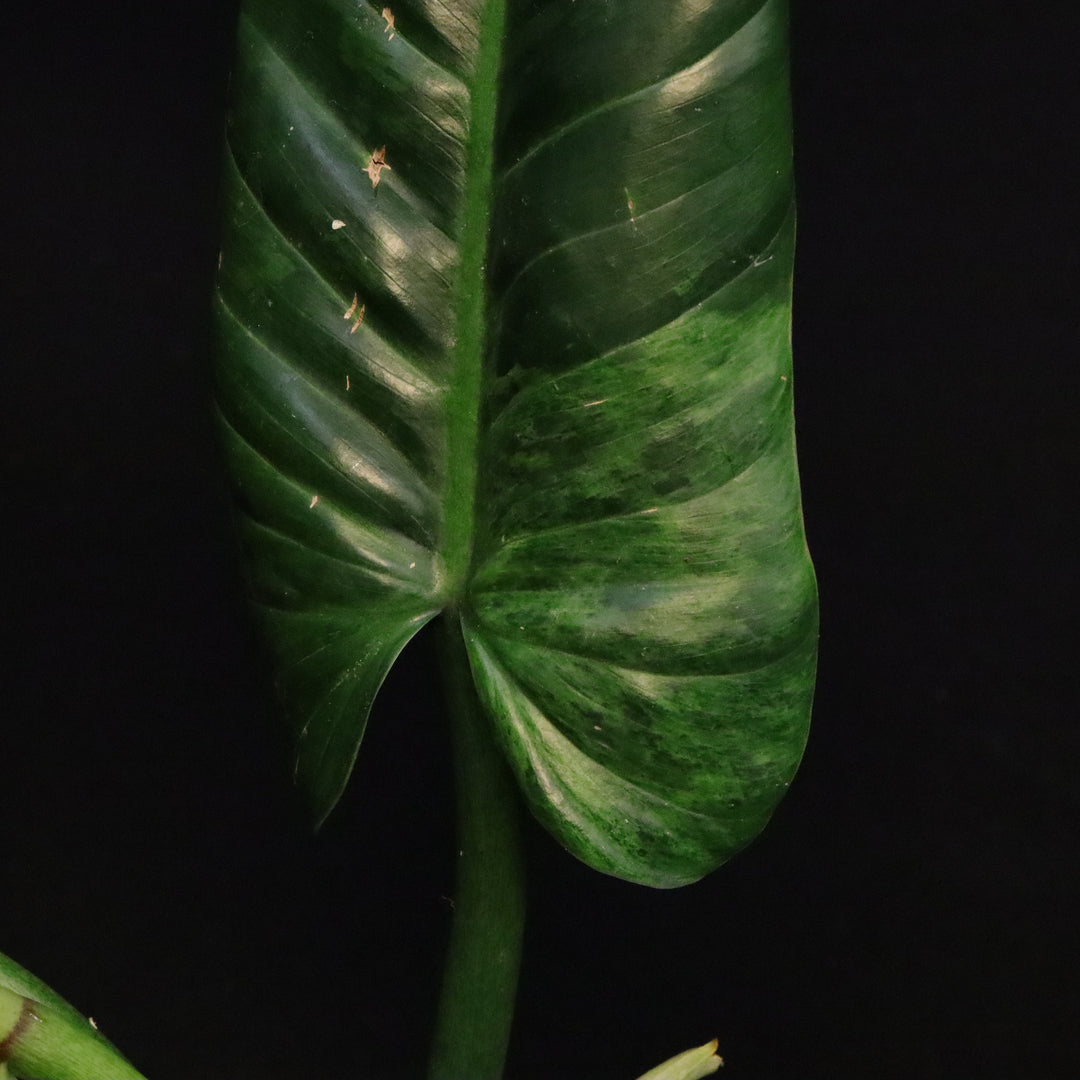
pixel 351 310
pixel 376 166
pixel 336 224
pixel 388 15
pixel 358 320
pixel 314 500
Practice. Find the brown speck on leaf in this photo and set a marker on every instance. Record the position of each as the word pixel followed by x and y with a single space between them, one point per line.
pixel 314 500
pixel 336 224
pixel 376 166
pixel 388 15
pixel 348 386
pixel 352 307
pixel 358 320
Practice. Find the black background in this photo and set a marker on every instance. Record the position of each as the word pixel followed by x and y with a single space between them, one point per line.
pixel 912 909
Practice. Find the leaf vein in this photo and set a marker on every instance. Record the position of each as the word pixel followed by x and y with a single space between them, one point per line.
pixel 555 134
pixel 632 224
pixel 336 406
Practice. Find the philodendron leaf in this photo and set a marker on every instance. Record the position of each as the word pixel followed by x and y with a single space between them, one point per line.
pixel 505 305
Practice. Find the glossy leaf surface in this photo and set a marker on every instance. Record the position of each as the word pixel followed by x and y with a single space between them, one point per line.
pixel 505 305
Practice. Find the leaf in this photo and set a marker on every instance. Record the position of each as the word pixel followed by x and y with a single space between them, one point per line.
pixel 42 1035
pixel 504 319
pixel 689 1065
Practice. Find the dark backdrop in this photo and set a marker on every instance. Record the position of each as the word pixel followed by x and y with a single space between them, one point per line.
pixel 911 911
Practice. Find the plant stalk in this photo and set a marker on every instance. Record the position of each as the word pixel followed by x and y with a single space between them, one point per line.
pixel 476 1008
pixel 52 1040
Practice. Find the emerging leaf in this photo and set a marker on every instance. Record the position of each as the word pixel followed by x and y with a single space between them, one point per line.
pixel 690 1065
pixel 505 305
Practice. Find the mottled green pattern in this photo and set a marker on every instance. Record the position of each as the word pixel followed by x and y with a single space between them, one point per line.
pixel 609 376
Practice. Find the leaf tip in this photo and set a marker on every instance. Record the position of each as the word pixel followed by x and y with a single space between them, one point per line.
pixel 692 1064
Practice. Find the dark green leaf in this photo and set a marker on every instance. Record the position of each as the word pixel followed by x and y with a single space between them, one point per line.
pixel 538 375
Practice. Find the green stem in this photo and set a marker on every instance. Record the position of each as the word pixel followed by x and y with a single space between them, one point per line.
pixel 480 980
pixel 39 1039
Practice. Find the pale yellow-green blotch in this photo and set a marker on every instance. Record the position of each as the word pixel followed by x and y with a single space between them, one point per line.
pixel 11 1006
pixel 689 1065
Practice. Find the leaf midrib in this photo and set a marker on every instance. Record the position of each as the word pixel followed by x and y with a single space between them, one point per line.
pixel 471 309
